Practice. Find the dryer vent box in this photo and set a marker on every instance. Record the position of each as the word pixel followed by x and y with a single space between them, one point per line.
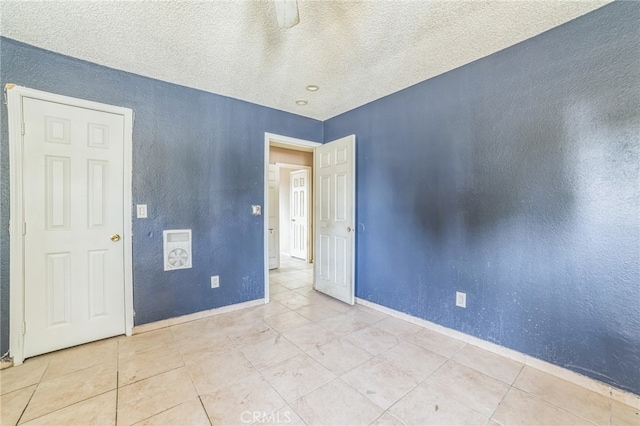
pixel 177 249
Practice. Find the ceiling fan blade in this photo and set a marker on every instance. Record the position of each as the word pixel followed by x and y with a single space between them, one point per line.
pixel 286 13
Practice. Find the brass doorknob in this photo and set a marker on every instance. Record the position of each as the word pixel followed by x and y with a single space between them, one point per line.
pixel 115 237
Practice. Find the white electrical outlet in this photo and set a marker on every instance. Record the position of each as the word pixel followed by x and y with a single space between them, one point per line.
pixel 461 299
pixel 215 281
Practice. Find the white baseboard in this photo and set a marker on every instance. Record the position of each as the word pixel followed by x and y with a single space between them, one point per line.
pixel 195 316
pixel 555 370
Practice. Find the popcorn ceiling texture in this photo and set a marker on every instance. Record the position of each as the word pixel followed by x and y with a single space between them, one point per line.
pixel 355 51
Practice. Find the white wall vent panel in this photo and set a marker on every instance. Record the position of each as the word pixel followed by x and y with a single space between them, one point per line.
pixel 177 249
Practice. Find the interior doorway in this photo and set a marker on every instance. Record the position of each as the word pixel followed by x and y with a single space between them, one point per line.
pixel 290 214
pixel 285 156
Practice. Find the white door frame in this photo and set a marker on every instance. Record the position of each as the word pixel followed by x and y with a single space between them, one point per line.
pixel 15 94
pixel 285 142
pixel 276 227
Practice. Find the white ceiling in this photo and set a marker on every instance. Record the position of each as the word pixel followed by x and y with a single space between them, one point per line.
pixel 356 51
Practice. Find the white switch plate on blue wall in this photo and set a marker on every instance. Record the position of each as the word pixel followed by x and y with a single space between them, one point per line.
pixel 141 210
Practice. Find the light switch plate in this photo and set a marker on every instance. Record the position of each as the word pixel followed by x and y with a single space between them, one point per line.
pixel 141 210
pixel 256 210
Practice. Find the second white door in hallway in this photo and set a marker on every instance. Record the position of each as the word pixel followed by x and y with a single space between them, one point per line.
pixel 299 214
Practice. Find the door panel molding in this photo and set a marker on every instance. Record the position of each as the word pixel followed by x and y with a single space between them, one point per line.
pixel 15 95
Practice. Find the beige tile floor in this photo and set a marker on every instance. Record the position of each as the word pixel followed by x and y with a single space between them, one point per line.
pixel 302 359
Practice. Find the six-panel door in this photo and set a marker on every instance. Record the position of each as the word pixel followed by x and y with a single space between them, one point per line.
pixel 73 197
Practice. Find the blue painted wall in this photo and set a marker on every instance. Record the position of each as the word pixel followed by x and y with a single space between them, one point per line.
pixel 514 179
pixel 198 164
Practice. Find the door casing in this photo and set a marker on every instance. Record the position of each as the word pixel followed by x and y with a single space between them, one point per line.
pixel 15 94
pixel 285 142
pixel 274 229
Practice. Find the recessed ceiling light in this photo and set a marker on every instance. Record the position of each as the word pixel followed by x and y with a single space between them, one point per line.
pixel 301 102
pixel 312 88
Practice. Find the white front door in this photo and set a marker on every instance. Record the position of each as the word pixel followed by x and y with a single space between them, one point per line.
pixel 274 217
pixel 299 213
pixel 335 218
pixel 73 183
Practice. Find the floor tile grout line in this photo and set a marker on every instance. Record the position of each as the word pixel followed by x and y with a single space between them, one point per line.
pixel 37 382
pixel 397 400
pixel 206 413
pixel 72 372
pixel 347 371
pixel 287 404
pixel 65 407
pixel 400 399
pixel 563 408
pixel 480 372
pixel 455 399
pixel 506 393
pixel 28 402
pixel 419 382
pixel 159 412
pixel 566 410
pixel 152 376
pixel 424 382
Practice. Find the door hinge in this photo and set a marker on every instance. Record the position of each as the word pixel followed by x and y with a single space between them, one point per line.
pixel 23 127
pixel 24 228
pixel 24 327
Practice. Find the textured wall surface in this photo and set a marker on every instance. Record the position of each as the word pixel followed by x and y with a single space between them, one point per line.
pixel 197 163
pixel 514 179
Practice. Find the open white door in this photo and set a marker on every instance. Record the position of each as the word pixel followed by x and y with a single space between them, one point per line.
pixel 274 217
pixel 334 218
pixel 299 213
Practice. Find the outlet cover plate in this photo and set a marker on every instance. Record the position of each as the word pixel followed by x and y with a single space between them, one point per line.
pixel 461 299
pixel 215 281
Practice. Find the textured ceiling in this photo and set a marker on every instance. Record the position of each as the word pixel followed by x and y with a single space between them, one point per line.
pixel 356 51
